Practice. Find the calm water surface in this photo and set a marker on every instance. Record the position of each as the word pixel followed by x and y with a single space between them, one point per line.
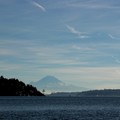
pixel 59 108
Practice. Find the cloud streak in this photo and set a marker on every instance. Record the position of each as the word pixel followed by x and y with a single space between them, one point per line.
pixel 76 47
pixel 6 66
pixel 93 5
pixel 76 32
pixel 6 52
pixel 112 36
pixel 116 59
pixel 39 6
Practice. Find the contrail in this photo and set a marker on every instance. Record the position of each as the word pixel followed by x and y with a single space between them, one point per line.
pixel 113 37
pixel 39 6
pixel 78 33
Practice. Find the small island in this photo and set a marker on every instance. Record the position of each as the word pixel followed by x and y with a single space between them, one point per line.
pixel 14 87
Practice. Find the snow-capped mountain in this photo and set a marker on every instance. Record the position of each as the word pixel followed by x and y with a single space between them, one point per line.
pixel 51 83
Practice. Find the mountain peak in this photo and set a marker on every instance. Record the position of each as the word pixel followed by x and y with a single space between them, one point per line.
pixel 53 84
pixel 50 78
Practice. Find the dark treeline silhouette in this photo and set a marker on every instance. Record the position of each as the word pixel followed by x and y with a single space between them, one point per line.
pixel 104 93
pixel 14 87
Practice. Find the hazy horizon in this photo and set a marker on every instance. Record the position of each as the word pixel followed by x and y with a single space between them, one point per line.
pixel 77 41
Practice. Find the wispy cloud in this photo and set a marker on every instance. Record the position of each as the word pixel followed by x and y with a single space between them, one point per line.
pixel 6 52
pixel 116 59
pixel 39 6
pixel 94 5
pixel 87 73
pixel 113 37
pixel 76 47
pixel 6 66
pixel 76 32
pixel 55 56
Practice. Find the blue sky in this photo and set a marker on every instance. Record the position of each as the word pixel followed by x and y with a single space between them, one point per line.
pixel 77 41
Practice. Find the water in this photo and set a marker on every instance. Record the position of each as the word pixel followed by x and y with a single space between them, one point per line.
pixel 59 108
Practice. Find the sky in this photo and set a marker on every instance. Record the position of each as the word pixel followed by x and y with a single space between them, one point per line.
pixel 77 41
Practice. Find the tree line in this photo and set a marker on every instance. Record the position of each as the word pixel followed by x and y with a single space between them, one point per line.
pixel 14 87
pixel 105 92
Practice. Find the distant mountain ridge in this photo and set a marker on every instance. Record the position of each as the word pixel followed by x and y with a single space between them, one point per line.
pixel 90 93
pixel 100 93
pixel 53 84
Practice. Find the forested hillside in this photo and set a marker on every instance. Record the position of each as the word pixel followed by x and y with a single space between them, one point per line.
pixel 104 93
pixel 14 87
